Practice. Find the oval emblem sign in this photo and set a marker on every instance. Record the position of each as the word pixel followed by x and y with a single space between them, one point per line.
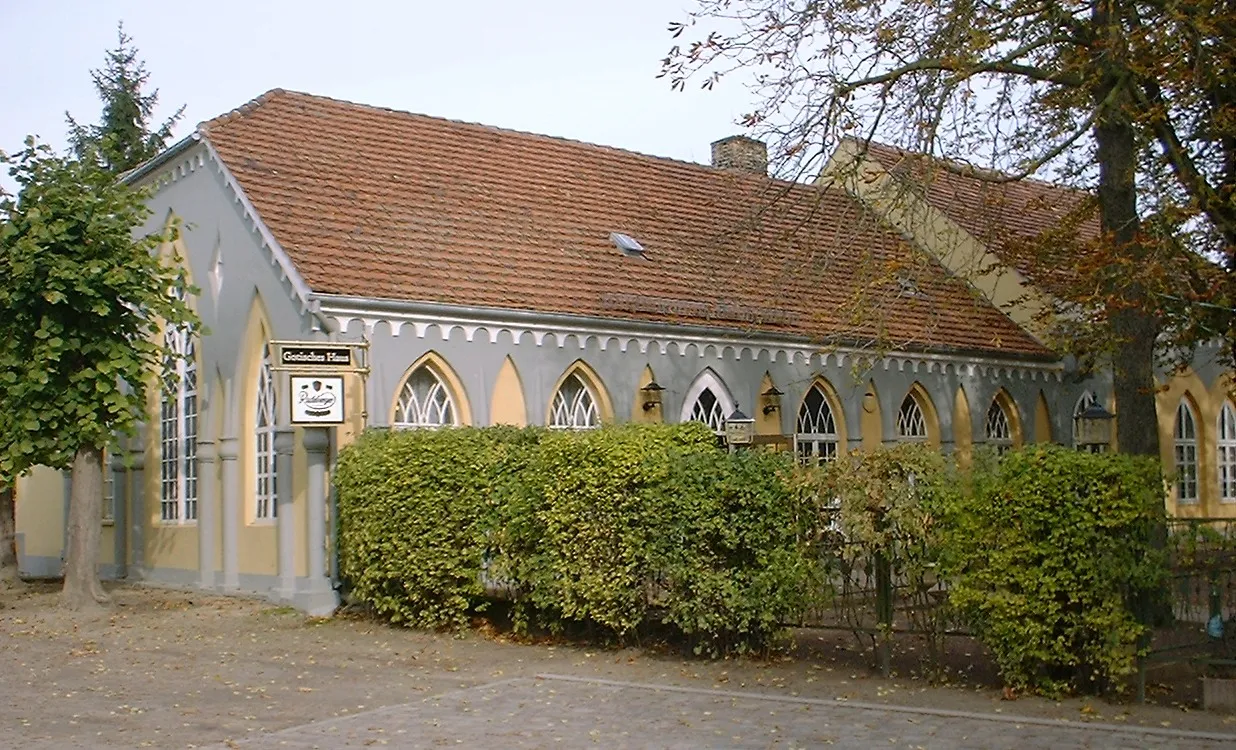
pixel 317 400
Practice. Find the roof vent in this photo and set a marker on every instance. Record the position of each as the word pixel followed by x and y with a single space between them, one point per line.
pixel 908 286
pixel 627 244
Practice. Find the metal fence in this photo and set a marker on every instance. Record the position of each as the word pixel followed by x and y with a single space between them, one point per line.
pixel 880 597
pixel 1201 626
pixel 884 595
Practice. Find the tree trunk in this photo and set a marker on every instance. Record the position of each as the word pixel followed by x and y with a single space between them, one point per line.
pixel 1134 331
pixel 8 536
pixel 81 576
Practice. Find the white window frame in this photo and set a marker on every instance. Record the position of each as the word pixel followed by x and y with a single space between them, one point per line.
pixel 428 410
pixel 265 419
pixel 1184 443
pixel 998 427
pixel 1226 452
pixel 815 435
pixel 108 512
pixel 707 381
pixel 910 416
pixel 178 431
pixel 583 412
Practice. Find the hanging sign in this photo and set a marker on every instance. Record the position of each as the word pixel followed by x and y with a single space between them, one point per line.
pixel 308 355
pixel 317 400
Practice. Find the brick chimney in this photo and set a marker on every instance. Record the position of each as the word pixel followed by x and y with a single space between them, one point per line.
pixel 740 153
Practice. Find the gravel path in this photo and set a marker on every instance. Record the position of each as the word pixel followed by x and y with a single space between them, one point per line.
pixel 163 668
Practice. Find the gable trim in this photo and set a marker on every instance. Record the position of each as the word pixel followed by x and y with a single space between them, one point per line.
pixel 868 180
pixel 300 291
pixel 278 255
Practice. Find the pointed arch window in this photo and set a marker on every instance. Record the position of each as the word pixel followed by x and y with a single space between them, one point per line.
pixel 178 429
pixel 574 406
pixel 815 436
pixel 1186 454
pixel 425 402
pixel 911 424
pixel 265 476
pixel 999 430
pixel 709 410
pixel 1227 453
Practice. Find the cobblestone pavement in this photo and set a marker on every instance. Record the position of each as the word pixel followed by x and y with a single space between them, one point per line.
pixel 558 711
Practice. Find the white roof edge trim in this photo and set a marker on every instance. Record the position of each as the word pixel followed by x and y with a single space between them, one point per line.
pixel 135 175
pixel 299 287
pixel 567 324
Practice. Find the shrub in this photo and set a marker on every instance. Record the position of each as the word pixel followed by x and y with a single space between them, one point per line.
pixel 416 513
pixel 1052 553
pixel 731 556
pixel 879 516
pixel 620 529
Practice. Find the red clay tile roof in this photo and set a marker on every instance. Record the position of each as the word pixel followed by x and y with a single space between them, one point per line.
pixel 1004 216
pixel 382 204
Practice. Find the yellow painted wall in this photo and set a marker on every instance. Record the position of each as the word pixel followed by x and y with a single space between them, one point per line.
pixel 770 423
pixel 963 435
pixel 871 423
pixel 257 540
pixel 40 512
pixel 930 415
pixel 639 414
pixel 354 410
pixel 507 405
pixel 165 545
pixel 1206 404
pixel 1016 423
pixel 1042 421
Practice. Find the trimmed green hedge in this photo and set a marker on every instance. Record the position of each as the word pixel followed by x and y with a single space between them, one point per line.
pixel 1049 554
pixel 1056 563
pixel 624 528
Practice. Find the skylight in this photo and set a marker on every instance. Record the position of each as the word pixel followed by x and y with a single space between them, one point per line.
pixel 627 244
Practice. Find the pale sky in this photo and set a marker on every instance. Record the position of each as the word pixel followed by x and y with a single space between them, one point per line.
pixel 581 69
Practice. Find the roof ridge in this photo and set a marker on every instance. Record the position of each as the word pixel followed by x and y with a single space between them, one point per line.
pixel 263 98
pixel 243 109
pixel 965 169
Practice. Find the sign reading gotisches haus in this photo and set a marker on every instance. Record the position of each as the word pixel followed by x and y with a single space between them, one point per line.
pixel 320 356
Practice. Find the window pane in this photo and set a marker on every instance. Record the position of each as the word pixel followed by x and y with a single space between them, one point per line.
pixel 815 438
pixel 424 402
pixel 707 409
pixel 574 406
pixel 910 421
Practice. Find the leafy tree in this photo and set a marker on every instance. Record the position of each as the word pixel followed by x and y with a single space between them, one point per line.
pixel 83 304
pixel 1131 99
pixel 124 136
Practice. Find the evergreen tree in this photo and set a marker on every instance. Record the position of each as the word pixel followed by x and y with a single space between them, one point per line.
pixel 124 136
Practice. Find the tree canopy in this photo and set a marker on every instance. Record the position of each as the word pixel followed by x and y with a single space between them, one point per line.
pixel 83 302
pixel 1133 100
pixel 125 135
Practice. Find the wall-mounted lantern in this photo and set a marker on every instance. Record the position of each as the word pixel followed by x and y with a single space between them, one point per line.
pixel 772 399
pixel 1093 427
pixel 739 428
pixel 652 395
